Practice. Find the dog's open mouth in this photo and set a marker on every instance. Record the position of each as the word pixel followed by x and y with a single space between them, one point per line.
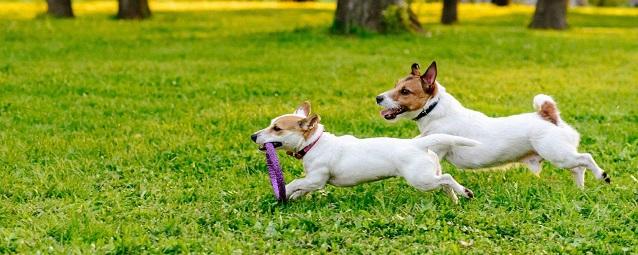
pixel 262 147
pixel 391 113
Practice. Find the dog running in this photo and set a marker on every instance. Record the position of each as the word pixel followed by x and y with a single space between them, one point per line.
pixel 347 161
pixel 529 138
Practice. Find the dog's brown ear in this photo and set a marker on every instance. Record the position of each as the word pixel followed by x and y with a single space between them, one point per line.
pixel 303 109
pixel 415 70
pixel 428 79
pixel 309 122
pixel 430 74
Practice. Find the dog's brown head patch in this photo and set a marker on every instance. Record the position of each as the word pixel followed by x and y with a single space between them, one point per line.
pixel 286 123
pixel 295 122
pixel 413 91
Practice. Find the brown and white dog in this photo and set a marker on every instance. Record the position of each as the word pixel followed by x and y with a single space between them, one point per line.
pixel 528 137
pixel 348 161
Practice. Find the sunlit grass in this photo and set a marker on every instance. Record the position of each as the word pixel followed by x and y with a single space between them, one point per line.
pixel 133 137
pixel 466 11
pixel 31 9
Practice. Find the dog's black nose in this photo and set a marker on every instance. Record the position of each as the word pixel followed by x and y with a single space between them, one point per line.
pixel 379 99
pixel 254 137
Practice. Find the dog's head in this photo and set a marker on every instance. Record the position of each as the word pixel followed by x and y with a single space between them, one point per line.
pixel 410 94
pixel 289 131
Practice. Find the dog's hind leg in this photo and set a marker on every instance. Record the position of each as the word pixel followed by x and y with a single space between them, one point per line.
pixel 564 155
pixel 533 162
pixel 445 181
pixel 583 160
pixel 586 160
pixel 579 176
pixel 450 193
pixel 449 181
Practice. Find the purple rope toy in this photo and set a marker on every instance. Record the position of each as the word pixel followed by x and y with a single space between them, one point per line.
pixel 274 170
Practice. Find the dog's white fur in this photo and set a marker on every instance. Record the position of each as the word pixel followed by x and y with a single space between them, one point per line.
pixel 526 137
pixel 347 161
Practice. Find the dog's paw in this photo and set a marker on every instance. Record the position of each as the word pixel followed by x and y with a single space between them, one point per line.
pixel 296 194
pixel 468 193
pixel 606 178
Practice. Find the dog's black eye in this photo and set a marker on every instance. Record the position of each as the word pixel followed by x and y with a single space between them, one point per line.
pixel 404 91
pixel 276 128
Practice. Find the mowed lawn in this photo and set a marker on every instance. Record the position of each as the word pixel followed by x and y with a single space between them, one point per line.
pixel 130 137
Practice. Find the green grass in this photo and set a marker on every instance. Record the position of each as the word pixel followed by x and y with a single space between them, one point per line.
pixel 131 137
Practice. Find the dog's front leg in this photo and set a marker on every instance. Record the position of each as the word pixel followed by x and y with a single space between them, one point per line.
pixel 313 181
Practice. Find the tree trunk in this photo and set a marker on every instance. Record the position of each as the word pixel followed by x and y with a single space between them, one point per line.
pixel 579 3
pixel 449 12
pixel 60 8
pixel 133 9
pixel 501 2
pixel 550 14
pixel 374 15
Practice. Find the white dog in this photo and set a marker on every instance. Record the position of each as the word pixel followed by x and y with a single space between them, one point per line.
pixel 527 137
pixel 348 161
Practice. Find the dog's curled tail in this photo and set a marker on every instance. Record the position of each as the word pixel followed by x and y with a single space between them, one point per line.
pixel 443 141
pixel 546 108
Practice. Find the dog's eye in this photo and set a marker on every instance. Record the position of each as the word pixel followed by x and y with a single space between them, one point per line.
pixel 404 91
pixel 276 128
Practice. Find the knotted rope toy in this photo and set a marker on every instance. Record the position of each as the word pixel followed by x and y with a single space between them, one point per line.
pixel 274 170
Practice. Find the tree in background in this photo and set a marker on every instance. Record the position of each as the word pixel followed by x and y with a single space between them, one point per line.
pixel 501 2
pixel 449 15
pixel 133 9
pixel 550 14
pixel 384 16
pixel 60 8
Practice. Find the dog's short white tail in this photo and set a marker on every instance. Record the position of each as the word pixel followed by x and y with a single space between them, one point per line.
pixel 444 140
pixel 546 108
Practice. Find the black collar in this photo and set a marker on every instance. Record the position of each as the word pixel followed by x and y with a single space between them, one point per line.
pixel 425 112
